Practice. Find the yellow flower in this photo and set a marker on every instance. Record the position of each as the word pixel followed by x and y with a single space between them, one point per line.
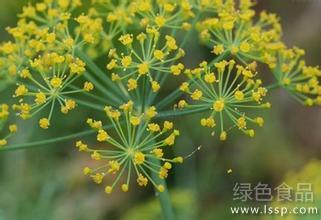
pixel 112 64
pixel 182 104
pixel 209 78
pixel 139 158
pixel 218 49
pixel 21 90
pixel 102 135
pixel 25 73
pixel 245 47
pixel 151 112
pixel 177 69
pixel 160 21
pixel 98 178
pixel 13 128
pixel 3 142
pixel 94 124
pixel 126 39
pixel 153 127
pixel 259 121
pixel 81 146
pixel 219 105
pixel 115 77
pixel 124 187
pixel 51 37
pixel 158 152
pixel 40 98
pixel 239 95
pixel 147 56
pixel 184 87
pixel 208 122
pixel 167 165
pixel 131 84
pixel 143 68
pixel 222 99
pixel 113 166
pixel 163 173
pixel 158 54
pixel 96 156
pixel 135 120
pixel 223 136
pixel 56 82
pixel 108 189
pixel 88 86
pixel 168 125
pixel 155 86
pixel 197 95
pixel 126 61
pixel 241 123
pixel 228 25
pixel 132 152
pixel 89 38
pixel 178 160
pixel 44 123
pixel 171 42
pixel 141 180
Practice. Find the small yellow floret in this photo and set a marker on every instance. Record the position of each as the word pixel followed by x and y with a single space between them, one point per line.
pixel 139 158
pixel 143 68
pixel 56 82
pixel 218 105
pixel 141 180
pixel 102 136
pixel 44 123
pixel 88 86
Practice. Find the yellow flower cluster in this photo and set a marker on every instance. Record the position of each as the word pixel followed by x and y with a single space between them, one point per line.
pixel 44 28
pixel 230 29
pixel 42 60
pixel 47 82
pixel 114 16
pixel 227 91
pixel 300 80
pixel 137 145
pixel 163 13
pixel 4 113
pixel 54 41
pixel 145 59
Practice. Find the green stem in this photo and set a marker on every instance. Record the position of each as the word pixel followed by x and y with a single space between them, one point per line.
pixel 164 197
pixel 174 113
pixel 273 86
pixel 46 142
pixel 94 69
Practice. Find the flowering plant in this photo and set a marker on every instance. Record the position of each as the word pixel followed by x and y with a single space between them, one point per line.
pixel 54 63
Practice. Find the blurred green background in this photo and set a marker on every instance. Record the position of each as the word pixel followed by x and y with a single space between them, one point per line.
pixel 47 182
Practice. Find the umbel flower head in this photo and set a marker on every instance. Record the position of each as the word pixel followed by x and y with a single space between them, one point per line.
pixel 145 57
pixel 300 80
pixel 115 16
pixel 46 28
pixel 47 83
pixel 42 60
pixel 231 30
pixel 135 149
pixel 4 113
pixel 163 13
pixel 225 93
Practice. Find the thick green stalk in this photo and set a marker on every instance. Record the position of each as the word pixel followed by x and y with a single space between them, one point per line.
pixel 164 197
